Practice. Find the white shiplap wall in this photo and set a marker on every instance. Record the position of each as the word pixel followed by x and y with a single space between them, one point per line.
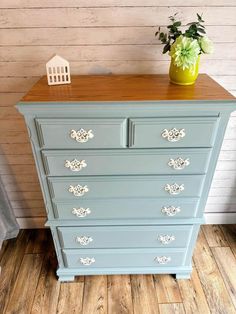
pixel 101 36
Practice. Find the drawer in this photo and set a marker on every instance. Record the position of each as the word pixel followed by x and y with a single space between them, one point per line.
pixel 111 258
pixel 123 209
pixel 116 162
pixel 125 236
pixel 172 132
pixel 82 133
pixel 69 188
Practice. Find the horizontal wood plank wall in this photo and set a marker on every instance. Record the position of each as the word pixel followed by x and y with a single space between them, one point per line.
pixel 100 36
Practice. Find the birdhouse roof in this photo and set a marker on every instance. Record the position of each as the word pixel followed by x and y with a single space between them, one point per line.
pixel 57 59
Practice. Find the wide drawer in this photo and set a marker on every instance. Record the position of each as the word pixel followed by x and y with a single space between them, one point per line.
pixel 82 133
pixel 172 132
pixel 125 236
pixel 69 188
pixel 133 209
pixel 116 162
pixel 111 258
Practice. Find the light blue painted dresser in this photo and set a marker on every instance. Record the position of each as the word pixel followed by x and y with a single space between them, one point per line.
pixel 125 165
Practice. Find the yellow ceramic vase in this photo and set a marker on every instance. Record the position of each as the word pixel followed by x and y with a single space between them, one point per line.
pixel 183 77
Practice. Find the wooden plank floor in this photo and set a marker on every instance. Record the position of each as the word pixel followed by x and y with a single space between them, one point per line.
pixel 28 283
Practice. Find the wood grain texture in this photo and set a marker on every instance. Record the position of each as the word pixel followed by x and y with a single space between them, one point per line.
pixel 143 292
pixel 34 279
pixel 100 37
pixel 214 236
pixel 210 277
pixel 126 88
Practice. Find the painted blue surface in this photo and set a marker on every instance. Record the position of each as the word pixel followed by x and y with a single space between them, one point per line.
pixel 127 170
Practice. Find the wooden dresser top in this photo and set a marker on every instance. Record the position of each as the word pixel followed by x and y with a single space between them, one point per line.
pixel 126 88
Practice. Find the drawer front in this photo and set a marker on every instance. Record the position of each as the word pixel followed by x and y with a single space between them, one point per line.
pixel 172 132
pixel 125 187
pixel 133 209
pixel 126 162
pixel 82 133
pixel 99 258
pixel 124 237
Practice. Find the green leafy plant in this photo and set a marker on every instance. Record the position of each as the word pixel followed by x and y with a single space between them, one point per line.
pixel 185 50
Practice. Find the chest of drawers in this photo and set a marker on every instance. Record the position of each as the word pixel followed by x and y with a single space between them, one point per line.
pixel 125 165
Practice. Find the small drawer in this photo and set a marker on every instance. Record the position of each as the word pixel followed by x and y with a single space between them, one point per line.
pixel 112 258
pixel 125 236
pixel 81 133
pixel 71 188
pixel 172 132
pixel 126 162
pixel 111 210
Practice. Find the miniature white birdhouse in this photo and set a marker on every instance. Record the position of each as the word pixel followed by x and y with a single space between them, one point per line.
pixel 58 71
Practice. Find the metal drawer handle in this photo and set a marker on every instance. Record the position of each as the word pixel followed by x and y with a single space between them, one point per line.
pixel 81 212
pixel 173 135
pixel 81 136
pixel 166 238
pixel 78 190
pixel 174 188
pixel 170 210
pixel 87 261
pixel 162 259
pixel 75 165
pixel 178 163
pixel 84 240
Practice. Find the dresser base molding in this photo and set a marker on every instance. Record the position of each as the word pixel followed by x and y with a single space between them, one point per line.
pixel 68 274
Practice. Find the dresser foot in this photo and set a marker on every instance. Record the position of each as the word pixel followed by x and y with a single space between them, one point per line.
pixel 66 278
pixel 183 275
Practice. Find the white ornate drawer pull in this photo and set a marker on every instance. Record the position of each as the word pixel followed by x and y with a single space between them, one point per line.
pixel 78 190
pixel 81 212
pixel 170 210
pixel 81 136
pixel 173 135
pixel 178 163
pixel 75 165
pixel 166 238
pixel 174 189
pixel 84 240
pixel 87 261
pixel 162 259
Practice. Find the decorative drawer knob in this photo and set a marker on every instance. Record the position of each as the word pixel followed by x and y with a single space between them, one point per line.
pixel 87 261
pixel 170 210
pixel 75 165
pixel 174 188
pixel 81 212
pixel 78 190
pixel 173 135
pixel 178 163
pixel 81 136
pixel 162 259
pixel 166 238
pixel 84 240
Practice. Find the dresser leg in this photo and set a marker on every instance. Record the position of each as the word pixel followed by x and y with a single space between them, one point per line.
pixel 66 278
pixel 183 275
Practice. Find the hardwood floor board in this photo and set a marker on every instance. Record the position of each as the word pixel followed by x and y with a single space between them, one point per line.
pixel 22 294
pixel 167 289
pixel 119 294
pixel 144 294
pixel 38 240
pixel 3 248
pixel 194 299
pixel 48 288
pixel 10 265
pixel 214 235
pixel 70 298
pixel 227 266
pixel 95 295
pixel 172 308
pixel 212 282
pixel 230 234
